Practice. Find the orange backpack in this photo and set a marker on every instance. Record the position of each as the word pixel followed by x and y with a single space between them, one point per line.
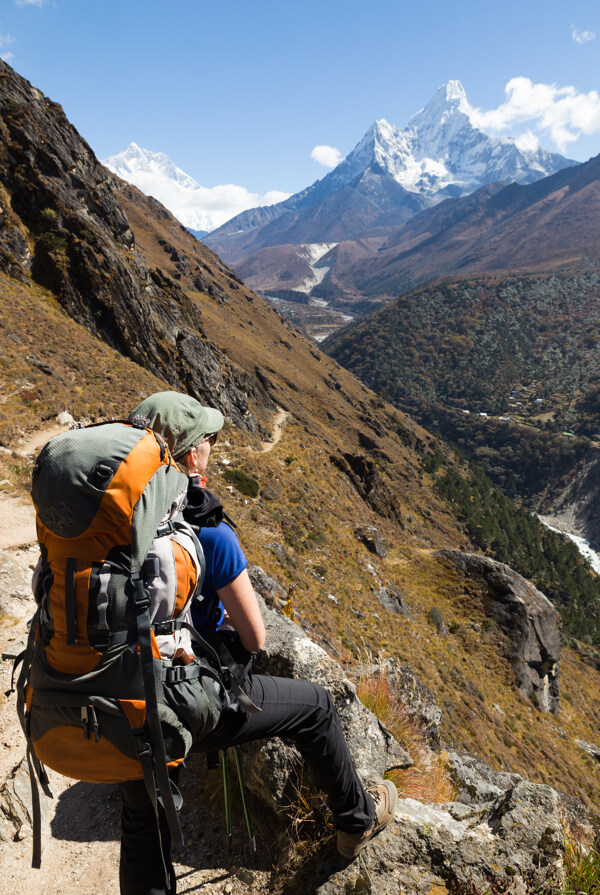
pixel 103 695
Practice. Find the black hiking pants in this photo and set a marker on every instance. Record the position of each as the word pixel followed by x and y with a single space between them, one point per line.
pixel 298 711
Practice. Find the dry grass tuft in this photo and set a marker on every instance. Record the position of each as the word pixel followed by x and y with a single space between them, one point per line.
pixel 308 818
pixel 582 868
pixel 427 780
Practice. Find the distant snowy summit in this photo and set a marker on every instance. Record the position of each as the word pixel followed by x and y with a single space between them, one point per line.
pixel 390 176
pixel 443 149
pixel 441 153
pixel 198 208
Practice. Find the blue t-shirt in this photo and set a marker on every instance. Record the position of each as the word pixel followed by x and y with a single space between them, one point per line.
pixel 225 560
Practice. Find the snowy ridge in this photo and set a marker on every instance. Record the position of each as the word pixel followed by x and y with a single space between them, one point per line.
pixel 442 148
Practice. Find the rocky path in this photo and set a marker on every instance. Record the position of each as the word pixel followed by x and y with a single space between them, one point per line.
pixel 280 419
pixel 17 516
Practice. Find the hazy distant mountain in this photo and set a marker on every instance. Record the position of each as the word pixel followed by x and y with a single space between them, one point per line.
pixel 391 175
pixel 156 175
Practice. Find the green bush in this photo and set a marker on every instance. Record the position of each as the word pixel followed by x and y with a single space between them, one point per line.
pixel 242 482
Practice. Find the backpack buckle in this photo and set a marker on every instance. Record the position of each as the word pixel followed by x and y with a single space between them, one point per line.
pixel 140 597
pixel 90 722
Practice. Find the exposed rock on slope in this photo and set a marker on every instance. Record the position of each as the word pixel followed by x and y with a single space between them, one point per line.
pixel 528 620
pixel 576 508
pixel 61 221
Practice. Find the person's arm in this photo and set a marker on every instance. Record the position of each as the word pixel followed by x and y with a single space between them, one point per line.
pixel 241 606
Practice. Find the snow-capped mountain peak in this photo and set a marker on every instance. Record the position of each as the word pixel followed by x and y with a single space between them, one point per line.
pixel 135 161
pixel 198 207
pixel 447 101
pixel 442 149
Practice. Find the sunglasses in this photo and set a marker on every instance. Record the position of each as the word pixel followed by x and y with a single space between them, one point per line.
pixel 210 438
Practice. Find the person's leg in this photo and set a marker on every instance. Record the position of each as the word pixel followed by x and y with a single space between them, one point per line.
pixel 304 714
pixel 141 870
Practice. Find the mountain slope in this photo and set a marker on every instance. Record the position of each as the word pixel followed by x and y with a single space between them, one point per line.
pixel 113 296
pixel 547 225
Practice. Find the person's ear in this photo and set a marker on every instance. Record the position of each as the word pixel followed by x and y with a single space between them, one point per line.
pixel 191 458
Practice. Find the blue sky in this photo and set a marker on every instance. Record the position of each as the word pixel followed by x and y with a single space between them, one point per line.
pixel 241 92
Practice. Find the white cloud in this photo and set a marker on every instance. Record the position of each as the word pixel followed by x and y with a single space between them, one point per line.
pixel 527 142
pixel 328 156
pixel 272 197
pixel 561 112
pixel 38 3
pixel 5 41
pixel 582 37
pixel 198 207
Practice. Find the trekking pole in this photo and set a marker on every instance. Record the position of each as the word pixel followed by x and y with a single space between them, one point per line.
pixel 227 798
pixel 240 773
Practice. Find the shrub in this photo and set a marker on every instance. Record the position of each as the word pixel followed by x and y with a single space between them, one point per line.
pixel 582 869
pixel 242 482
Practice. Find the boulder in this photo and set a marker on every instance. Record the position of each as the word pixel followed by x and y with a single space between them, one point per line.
pixel 391 599
pixel 370 537
pixel 592 750
pixel 16 815
pixel 529 623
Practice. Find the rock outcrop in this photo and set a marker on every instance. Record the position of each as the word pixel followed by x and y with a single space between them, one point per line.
pixel 512 844
pixel 529 623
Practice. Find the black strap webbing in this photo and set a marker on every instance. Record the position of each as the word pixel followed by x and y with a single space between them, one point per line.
pixel 159 758
pixel 145 756
pixel 70 606
pixel 36 768
pixel 36 859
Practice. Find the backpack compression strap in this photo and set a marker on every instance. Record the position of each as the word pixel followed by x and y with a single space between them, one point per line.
pixel 36 768
pixel 220 656
pixel 159 758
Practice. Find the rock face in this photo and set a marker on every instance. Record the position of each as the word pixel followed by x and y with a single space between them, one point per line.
pixel 61 222
pixel 511 844
pixel 364 475
pixel 528 621
pixel 576 507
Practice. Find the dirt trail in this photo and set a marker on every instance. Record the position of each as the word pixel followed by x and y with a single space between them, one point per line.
pixel 280 419
pixel 17 516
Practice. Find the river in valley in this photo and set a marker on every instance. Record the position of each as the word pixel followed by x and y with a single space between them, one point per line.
pixel 582 545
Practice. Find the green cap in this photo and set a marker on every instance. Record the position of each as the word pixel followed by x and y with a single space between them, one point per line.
pixel 180 419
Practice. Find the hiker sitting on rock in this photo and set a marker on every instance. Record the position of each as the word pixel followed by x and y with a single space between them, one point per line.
pixel 295 710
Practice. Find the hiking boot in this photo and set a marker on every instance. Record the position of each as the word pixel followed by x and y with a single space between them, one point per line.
pixel 385 796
